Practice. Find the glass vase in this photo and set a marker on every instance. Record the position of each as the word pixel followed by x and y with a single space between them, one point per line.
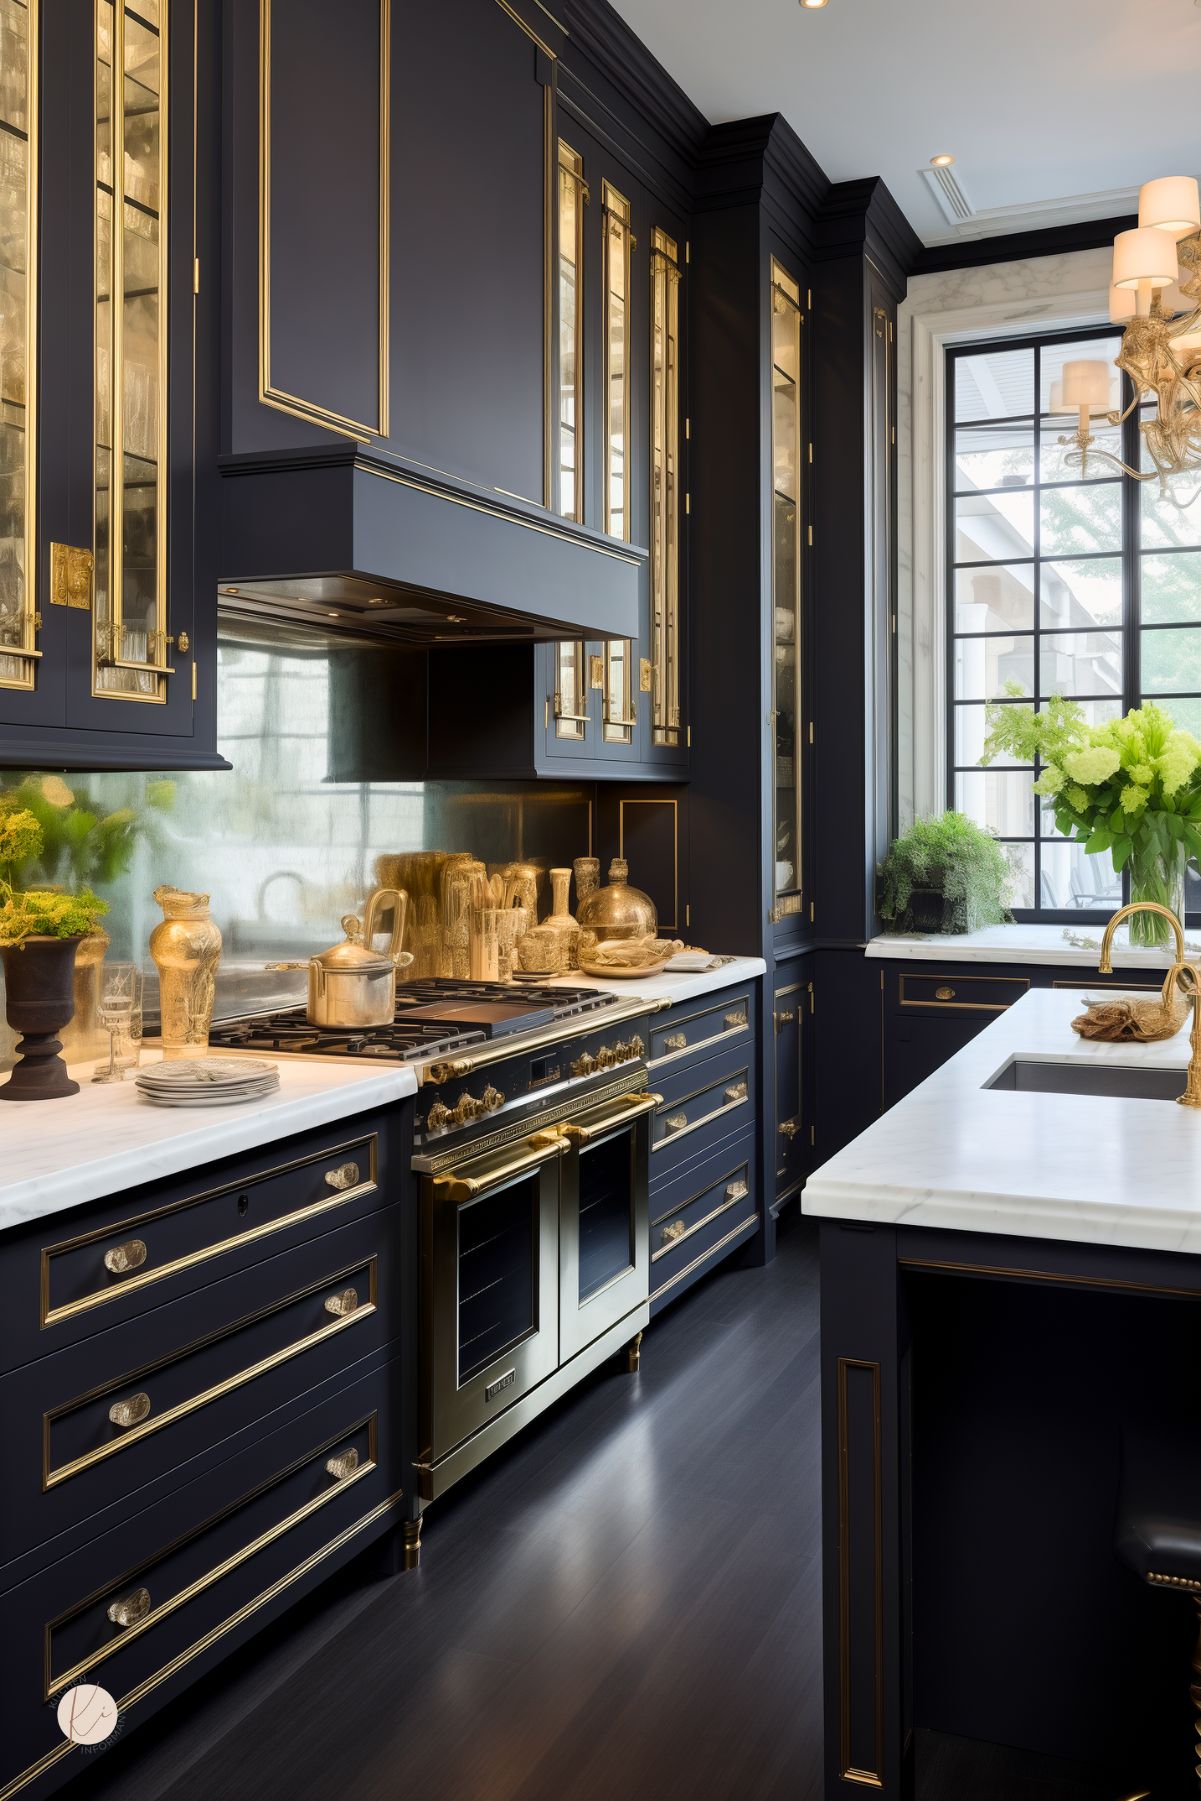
pixel 1158 877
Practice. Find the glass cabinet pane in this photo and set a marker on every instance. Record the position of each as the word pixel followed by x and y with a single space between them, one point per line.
pixel 665 516
pixel 618 248
pixel 130 612
pixel 786 586
pixel 19 619
pixel 571 693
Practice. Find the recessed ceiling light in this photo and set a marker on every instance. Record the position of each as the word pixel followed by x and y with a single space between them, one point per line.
pixel 942 161
pixel 813 6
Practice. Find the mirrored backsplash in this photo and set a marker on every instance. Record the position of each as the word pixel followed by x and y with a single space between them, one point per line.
pixel 283 849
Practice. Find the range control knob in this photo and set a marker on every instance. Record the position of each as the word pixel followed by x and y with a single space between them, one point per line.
pixel 492 1099
pixel 637 1048
pixel 607 1056
pixel 584 1066
pixel 466 1109
pixel 438 1116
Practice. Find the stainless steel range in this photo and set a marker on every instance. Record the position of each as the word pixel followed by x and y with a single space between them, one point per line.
pixel 531 1149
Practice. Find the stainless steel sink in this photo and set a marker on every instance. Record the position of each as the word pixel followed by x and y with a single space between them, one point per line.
pixel 1024 1075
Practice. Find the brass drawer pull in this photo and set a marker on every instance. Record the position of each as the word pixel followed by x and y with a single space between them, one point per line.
pixel 944 993
pixel 124 1257
pixel 676 1122
pixel 736 1091
pixel 784 1017
pixel 676 1041
pixel 344 1304
pixel 675 1230
pixel 345 1176
pixel 345 1464
pixel 130 1412
pixel 736 1190
pixel 130 1608
pixel 735 1021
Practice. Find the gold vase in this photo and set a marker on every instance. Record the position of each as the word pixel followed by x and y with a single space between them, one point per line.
pixel 186 947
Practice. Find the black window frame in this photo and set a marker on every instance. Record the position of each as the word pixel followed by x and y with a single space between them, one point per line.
pixel 1130 555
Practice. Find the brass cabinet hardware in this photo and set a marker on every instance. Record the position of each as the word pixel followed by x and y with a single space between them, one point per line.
pixel 616 719
pixel 539 1149
pixel 345 1176
pixel 344 1304
pixel 737 1091
pixel 736 1190
pixel 584 1064
pixel 644 675
pixel 438 1116
pixel 788 1128
pixel 492 1098
pixel 675 1230
pixel 561 712
pixel 125 1257
pixel 345 1464
pixel 130 1608
pixel 786 1016
pixel 130 1412
pixel 632 1108
pixel 596 673
pixel 675 1122
pixel 676 1041
pixel 945 993
pixel 735 1021
pixel 182 643
pixel 71 574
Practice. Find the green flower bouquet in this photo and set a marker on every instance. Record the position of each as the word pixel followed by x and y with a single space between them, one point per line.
pixel 1131 787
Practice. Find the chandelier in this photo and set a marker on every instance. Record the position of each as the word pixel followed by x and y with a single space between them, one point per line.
pixel 1156 293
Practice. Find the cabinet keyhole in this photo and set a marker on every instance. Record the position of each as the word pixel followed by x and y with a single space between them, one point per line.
pixel 243 1203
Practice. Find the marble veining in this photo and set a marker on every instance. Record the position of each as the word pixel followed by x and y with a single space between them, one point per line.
pixel 106 1138
pixel 957 1156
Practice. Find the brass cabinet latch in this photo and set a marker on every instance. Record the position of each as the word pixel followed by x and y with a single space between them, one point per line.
pixel 645 675
pixel 71 574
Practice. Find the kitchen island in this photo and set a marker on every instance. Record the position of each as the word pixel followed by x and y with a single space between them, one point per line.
pixel 1008 1278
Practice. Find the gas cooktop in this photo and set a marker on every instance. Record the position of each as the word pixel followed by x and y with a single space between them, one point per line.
pixel 433 1019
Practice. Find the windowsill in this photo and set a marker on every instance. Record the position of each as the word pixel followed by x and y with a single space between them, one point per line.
pixel 1016 944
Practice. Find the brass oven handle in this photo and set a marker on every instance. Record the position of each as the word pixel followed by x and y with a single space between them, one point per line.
pixel 539 1149
pixel 125 1257
pixel 735 1021
pixel 675 1122
pixel 736 1091
pixel 345 1176
pixel 345 1464
pixel 676 1041
pixel 130 1608
pixel 130 1412
pixel 344 1304
pixel 632 1108
pixel 675 1230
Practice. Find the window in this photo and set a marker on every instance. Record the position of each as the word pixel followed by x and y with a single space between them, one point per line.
pixel 1088 589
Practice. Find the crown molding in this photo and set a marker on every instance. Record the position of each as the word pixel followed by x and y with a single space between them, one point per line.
pixel 613 69
pixel 862 216
pixel 1017 246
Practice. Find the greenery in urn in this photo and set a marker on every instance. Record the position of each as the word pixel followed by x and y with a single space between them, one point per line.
pixel 81 842
pixel 958 861
pixel 37 912
pixel 1129 789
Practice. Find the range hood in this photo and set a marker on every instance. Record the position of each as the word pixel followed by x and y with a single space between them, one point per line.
pixel 355 539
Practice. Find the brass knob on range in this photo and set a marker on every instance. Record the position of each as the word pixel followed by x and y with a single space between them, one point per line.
pixel 130 1412
pixel 345 1176
pixel 584 1066
pixel 492 1099
pixel 676 1041
pixel 607 1056
pixel 438 1116
pixel 130 1608
pixel 345 1464
pixel 341 1305
pixel 125 1257
pixel 466 1108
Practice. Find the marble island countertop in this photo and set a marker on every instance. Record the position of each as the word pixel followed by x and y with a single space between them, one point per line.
pixel 1075 945
pixel 56 1154
pixel 957 1155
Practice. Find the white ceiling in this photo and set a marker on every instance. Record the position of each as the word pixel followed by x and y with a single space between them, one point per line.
pixel 1039 101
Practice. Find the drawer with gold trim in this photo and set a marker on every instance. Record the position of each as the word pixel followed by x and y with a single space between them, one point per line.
pixel 959 992
pixel 145 1607
pixel 691 1030
pixel 92 1425
pixel 700 1208
pixel 76 1274
pixel 703 1103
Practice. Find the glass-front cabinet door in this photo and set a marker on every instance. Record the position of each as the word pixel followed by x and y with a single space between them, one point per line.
pixel 20 616
pixel 570 658
pixel 665 633
pixel 618 246
pixel 787 618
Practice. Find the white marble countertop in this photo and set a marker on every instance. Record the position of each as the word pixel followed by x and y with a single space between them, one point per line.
pixel 1017 944
pixel 674 985
pixel 1095 1170
pixel 55 1154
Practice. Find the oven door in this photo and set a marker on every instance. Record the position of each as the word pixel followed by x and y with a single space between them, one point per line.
pixel 604 1236
pixel 491 1246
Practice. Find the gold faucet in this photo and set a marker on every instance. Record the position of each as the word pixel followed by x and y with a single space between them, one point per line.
pixel 1180 970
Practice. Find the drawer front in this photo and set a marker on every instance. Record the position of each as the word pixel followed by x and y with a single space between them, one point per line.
pixel 957 992
pixel 702 1104
pixel 127 1258
pixel 700 1208
pixel 91 1425
pixel 138 1605
pixel 698 1029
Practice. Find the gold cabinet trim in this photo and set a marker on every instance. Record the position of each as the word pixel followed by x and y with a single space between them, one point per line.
pixel 682 1275
pixel 849 1771
pixel 49 1316
pixel 935 1005
pixel 53 1684
pixel 26 652
pixel 269 393
pixel 151 1422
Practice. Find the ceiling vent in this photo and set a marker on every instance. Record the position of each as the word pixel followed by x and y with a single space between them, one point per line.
pixel 954 204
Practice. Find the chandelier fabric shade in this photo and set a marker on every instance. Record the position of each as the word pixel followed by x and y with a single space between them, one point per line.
pixel 1144 255
pixel 1171 203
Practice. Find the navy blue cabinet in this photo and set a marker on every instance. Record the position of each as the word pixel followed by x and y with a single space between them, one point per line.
pixel 107 592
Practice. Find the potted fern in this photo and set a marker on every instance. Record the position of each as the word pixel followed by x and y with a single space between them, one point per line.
pixel 40 931
pixel 945 874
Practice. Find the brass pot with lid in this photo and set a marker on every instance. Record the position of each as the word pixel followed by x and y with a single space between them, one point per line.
pixel 352 984
pixel 617 910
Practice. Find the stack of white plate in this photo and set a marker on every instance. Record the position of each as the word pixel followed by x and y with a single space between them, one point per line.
pixel 207 1081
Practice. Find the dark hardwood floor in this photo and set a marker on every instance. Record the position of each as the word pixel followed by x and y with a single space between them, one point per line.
pixel 625 1602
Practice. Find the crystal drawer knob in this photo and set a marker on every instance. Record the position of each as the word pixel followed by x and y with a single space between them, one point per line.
pixel 676 1041
pixel 345 1176
pixel 344 1304
pixel 736 1091
pixel 130 1412
pixel 130 1608
pixel 735 1021
pixel 675 1230
pixel 735 1191
pixel 675 1122
pixel 125 1257
pixel 345 1464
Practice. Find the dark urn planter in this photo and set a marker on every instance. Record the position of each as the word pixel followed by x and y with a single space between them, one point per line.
pixel 926 910
pixel 39 1001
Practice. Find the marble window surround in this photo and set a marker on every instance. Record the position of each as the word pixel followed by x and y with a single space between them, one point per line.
pixel 952 307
